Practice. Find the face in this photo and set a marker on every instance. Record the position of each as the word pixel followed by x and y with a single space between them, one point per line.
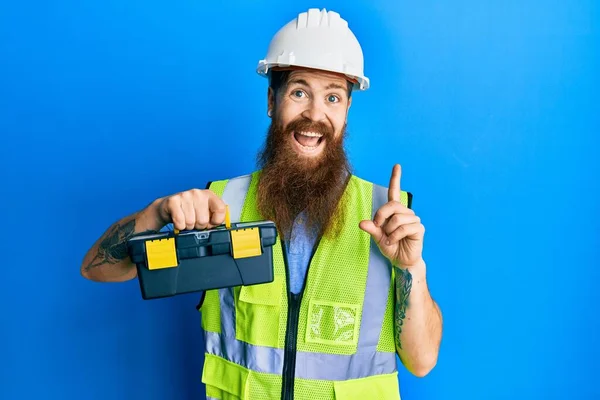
pixel 303 162
pixel 312 109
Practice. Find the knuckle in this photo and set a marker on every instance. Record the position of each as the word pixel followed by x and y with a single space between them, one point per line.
pixel 197 193
pixel 213 195
pixel 173 200
pixel 388 229
pixel 399 232
pixel 178 222
pixel 217 217
pixel 218 206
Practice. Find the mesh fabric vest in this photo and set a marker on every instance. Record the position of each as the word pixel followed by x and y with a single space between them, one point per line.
pixel 335 340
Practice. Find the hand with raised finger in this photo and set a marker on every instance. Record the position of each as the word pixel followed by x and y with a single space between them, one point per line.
pixel 396 229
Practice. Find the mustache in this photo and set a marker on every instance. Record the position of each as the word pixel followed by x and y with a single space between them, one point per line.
pixel 306 125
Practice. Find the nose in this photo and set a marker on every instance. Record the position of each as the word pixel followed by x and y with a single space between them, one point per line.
pixel 315 111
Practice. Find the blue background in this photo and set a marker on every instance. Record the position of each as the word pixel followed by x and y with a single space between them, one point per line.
pixel 491 107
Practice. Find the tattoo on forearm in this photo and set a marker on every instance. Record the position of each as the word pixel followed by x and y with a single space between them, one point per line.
pixel 113 248
pixel 403 287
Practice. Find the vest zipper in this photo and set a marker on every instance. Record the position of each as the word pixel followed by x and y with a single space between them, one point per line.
pixel 291 333
pixel 291 336
pixel 289 364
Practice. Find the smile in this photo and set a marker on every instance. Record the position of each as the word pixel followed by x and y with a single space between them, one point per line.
pixel 308 142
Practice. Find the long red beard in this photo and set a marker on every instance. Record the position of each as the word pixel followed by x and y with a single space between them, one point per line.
pixel 290 184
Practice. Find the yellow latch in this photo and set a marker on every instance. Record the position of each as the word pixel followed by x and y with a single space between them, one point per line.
pixel 161 253
pixel 227 217
pixel 246 243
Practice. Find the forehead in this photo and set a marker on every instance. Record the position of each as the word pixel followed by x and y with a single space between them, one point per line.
pixel 318 79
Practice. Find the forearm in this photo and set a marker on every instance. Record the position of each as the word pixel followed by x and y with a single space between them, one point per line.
pixel 418 326
pixel 108 260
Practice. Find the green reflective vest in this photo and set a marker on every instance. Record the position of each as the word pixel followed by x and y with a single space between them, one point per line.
pixel 334 340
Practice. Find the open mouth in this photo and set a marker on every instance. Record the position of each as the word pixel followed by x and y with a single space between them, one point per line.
pixel 308 141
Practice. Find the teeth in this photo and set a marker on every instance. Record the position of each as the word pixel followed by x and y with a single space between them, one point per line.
pixel 311 134
pixel 308 148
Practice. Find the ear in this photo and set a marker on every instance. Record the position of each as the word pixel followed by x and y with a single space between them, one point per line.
pixel 270 101
pixel 348 108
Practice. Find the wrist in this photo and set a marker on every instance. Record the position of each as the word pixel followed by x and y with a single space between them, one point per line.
pixel 417 270
pixel 416 273
pixel 149 218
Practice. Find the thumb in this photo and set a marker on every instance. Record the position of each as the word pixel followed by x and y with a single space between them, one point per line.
pixel 370 227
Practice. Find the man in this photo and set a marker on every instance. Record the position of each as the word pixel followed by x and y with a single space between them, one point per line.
pixel 350 289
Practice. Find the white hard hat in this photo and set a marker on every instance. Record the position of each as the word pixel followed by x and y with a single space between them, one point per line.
pixel 317 39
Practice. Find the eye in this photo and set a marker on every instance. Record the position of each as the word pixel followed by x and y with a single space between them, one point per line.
pixel 333 98
pixel 298 93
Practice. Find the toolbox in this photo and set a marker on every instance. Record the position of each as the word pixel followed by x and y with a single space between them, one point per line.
pixel 172 263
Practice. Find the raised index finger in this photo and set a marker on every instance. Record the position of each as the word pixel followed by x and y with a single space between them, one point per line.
pixel 394 188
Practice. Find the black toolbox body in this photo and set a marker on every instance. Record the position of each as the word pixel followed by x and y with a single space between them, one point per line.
pixel 204 260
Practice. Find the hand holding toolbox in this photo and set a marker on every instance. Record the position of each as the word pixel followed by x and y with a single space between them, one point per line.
pixel 172 263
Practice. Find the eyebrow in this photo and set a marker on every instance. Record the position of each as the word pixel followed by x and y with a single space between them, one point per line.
pixel 336 86
pixel 304 83
pixel 299 82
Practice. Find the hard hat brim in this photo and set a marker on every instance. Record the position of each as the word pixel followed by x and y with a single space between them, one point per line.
pixel 360 83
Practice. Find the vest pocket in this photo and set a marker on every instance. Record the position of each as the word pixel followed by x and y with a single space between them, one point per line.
pixel 257 313
pixel 332 323
pixel 381 387
pixel 223 379
pixel 267 294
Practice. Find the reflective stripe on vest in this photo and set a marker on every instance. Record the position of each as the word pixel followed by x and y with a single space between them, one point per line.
pixel 365 362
